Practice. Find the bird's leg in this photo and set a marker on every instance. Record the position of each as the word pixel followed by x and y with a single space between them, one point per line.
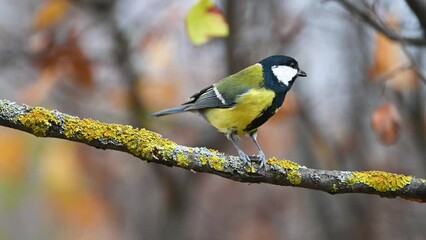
pixel 261 155
pixel 242 155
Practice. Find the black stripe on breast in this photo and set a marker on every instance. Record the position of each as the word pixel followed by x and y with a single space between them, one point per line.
pixel 266 113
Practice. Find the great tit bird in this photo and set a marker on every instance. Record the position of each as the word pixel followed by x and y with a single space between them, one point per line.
pixel 239 104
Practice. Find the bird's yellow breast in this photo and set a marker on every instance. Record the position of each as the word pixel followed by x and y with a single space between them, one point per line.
pixel 247 108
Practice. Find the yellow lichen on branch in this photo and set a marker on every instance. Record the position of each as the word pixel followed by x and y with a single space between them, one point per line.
pixel 182 160
pixel 150 146
pixel 216 162
pixel 39 120
pixel 291 168
pixel 380 181
pixel 140 142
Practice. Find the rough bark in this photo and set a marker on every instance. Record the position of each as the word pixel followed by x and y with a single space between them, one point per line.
pixel 150 146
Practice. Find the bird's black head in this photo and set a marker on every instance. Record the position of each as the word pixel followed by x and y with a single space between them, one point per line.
pixel 281 70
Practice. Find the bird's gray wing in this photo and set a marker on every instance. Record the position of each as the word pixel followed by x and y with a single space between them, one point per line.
pixel 224 93
pixel 208 98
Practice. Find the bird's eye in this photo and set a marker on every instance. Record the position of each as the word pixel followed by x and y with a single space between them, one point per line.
pixel 292 64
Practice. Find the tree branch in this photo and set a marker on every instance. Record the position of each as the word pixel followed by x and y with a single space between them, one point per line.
pixel 374 20
pixel 378 26
pixel 419 9
pixel 151 147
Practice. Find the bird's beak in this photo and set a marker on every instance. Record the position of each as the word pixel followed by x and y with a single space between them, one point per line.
pixel 301 74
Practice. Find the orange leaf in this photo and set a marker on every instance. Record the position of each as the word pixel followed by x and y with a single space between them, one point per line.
pixel 55 62
pixel 386 54
pixel 79 64
pixel 388 57
pixel 385 121
pixel 50 13
pixel 63 60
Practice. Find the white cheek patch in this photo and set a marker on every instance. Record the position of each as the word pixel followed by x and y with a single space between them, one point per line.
pixel 284 73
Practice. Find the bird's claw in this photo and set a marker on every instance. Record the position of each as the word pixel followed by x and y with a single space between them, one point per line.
pixel 247 159
pixel 262 160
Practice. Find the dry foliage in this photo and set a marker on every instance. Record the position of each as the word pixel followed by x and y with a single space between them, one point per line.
pixel 385 121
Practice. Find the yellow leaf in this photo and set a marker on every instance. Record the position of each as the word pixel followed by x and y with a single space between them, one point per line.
pixel 204 21
pixel 50 13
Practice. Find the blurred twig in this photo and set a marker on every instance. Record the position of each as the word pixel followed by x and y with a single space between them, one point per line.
pixel 150 146
pixel 419 9
pixel 392 73
pixel 372 20
pixel 371 17
pixel 413 62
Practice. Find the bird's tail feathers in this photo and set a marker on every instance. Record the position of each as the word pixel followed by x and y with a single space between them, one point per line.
pixel 170 111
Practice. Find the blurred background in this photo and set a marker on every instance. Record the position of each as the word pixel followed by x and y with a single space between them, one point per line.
pixel 361 108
